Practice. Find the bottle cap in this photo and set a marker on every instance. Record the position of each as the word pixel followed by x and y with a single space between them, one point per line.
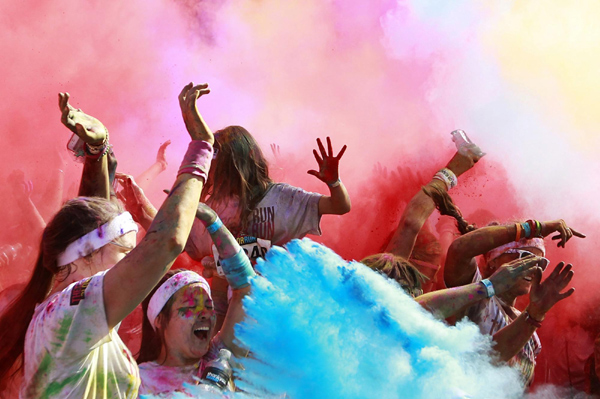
pixel 224 354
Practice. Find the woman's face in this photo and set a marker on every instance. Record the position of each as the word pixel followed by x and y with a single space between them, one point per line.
pixel 189 330
pixel 523 285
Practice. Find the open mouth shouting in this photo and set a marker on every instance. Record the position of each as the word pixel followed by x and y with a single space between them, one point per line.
pixel 202 332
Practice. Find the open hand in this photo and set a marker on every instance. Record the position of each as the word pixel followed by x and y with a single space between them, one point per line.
pixel 328 164
pixel 195 125
pixel 544 295
pixel 508 274
pixel 88 128
pixel 564 232
pixel 135 200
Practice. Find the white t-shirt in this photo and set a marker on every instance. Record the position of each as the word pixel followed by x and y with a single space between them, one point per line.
pixel 71 353
pixel 165 380
pixel 285 212
pixel 491 317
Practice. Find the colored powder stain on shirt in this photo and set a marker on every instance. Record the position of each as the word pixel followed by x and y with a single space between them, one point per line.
pixel 55 387
pixel 63 330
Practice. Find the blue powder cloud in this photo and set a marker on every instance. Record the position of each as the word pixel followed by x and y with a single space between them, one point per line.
pixel 321 327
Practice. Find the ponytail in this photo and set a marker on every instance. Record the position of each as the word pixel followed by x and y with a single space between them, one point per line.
pixel 445 204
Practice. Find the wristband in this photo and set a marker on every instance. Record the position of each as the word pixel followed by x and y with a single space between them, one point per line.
pixel 214 226
pixel 538 231
pixel 238 270
pixel 489 287
pixel 335 183
pixel 519 231
pixel 532 321
pixel 448 177
pixel 197 159
pixel 526 229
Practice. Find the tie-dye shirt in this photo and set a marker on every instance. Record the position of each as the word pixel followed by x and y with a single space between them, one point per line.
pixel 491 317
pixel 71 353
pixel 164 381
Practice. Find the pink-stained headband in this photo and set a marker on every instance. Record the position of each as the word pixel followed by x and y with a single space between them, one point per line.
pixel 169 288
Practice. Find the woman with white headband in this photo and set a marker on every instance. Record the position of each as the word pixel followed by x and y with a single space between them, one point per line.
pixel 178 334
pixel 63 328
pixel 500 245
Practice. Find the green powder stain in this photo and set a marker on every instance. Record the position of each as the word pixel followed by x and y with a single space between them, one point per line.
pixel 54 388
pixel 63 330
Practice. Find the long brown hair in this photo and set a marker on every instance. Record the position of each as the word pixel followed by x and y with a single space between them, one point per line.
pixel 445 204
pixel 240 170
pixel 76 218
pixel 152 340
pixel 399 269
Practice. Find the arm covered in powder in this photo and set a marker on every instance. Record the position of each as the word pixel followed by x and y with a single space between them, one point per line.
pixel 448 302
pixel 238 276
pixel 130 280
pixel 421 206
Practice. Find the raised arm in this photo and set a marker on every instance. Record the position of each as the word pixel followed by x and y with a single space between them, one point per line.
pixel 237 269
pixel 130 280
pixel 95 179
pixel 449 302
pixel 155 169
pixel 338 201
pixel 460 263
pixel 421 206
pixel 543 296
pixel 140 207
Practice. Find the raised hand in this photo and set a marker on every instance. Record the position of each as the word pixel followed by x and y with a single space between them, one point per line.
pixel 544 295
pixel 88 128
pixel 508 274
pixel 160 156
pixel 564 232
pixel 21 188
pixel 195 125
pixel 135 200
pixel 328 164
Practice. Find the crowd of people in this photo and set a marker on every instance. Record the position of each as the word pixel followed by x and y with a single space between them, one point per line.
pixel 60 331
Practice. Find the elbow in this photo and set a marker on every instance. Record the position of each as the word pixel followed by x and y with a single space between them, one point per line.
pixel 344 209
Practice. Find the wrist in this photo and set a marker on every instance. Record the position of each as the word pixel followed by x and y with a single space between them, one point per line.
pixel 534 313
pixel 489 287
pixel 335 183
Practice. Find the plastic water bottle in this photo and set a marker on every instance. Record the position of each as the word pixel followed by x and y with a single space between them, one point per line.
pixel 464 145
pixel 218 372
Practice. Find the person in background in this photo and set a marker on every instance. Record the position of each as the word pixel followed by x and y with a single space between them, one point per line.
pixel 257 211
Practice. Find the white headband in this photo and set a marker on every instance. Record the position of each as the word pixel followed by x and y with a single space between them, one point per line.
pixel 98 238
pixel 169 288
pixel 535 242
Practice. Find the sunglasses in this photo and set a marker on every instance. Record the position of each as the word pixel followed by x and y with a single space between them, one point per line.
pixel 543 263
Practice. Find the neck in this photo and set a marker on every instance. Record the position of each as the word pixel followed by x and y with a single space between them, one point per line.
pixel 508 298
pixel 171 360
pixel 75 276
